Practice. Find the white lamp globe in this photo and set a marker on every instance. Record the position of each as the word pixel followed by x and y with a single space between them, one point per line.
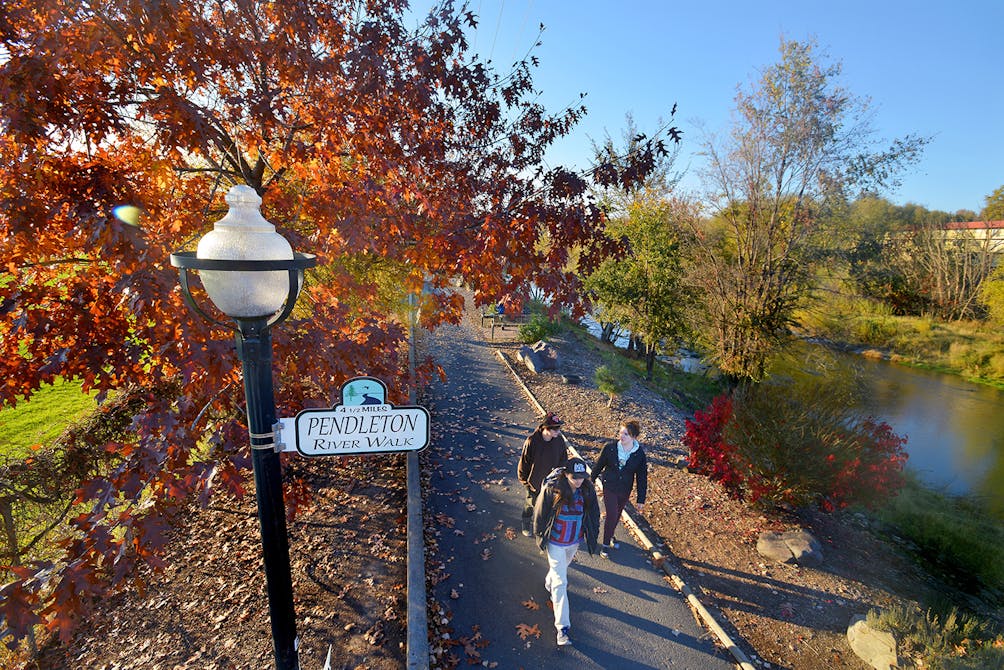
pixel 244 234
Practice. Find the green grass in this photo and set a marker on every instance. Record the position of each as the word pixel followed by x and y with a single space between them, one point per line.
pixel 973 350
pixel 40 420
pixel 954 536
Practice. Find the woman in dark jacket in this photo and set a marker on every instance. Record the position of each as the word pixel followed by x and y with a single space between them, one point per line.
pixel 565 512
pixel 621 465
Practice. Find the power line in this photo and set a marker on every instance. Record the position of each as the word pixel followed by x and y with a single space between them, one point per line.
pixel 498 24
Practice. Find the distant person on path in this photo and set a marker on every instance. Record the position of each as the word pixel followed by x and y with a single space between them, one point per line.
pixel 621 465
pixel 566 512
pixel 543 451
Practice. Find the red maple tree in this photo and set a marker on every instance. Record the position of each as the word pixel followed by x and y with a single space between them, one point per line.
pixel 379 147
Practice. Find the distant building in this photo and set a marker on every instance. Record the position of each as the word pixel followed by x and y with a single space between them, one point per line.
pixel 989 233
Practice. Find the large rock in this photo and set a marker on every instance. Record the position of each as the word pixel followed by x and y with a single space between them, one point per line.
pixel 795 546
pixel 539 357
pixel 528 358
pixel 877 648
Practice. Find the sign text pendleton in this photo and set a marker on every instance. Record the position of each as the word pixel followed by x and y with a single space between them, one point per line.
pixel 369 426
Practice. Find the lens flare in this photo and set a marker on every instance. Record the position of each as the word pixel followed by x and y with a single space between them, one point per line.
pixel 127 214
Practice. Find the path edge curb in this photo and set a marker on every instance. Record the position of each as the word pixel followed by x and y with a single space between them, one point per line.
pixel 658 558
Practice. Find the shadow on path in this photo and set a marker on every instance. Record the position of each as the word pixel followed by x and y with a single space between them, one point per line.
pixel 486 579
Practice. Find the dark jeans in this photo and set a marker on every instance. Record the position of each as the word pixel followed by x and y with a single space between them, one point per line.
pixel 528 510
pixel 613 505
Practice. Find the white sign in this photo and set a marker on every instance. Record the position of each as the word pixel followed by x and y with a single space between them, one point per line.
pixel 362 424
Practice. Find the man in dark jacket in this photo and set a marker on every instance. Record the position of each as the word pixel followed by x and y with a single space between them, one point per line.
pixel 543 451
pixel 566 512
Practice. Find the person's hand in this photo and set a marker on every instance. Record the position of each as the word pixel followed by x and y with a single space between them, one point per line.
pixel 640 507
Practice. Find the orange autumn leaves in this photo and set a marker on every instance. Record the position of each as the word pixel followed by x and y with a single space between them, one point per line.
pixel 384 149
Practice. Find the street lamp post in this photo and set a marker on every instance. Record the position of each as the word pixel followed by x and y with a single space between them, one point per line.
pixel 252 275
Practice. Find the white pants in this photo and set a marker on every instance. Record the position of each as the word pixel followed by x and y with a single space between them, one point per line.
pixel 558 559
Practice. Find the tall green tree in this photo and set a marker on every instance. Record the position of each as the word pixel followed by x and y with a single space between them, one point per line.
pixel 643 288
pixel 992 295
pixel 616 199
pixel 800 143
pixel 993 208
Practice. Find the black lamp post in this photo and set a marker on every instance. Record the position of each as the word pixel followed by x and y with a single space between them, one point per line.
pixel 252 275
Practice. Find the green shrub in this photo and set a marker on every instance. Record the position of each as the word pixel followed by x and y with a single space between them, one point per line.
pixel 539 327
pixel 923 325
pixel 968 357
pixel 874 330
pixel 997 366
pixel 949 641
pixel 613 380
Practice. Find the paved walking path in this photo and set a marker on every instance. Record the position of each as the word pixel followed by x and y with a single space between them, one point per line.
pixel 624 613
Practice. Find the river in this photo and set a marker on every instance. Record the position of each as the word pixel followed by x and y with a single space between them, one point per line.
pixel 954 428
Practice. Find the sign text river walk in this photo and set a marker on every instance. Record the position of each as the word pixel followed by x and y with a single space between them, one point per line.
pixel 363 423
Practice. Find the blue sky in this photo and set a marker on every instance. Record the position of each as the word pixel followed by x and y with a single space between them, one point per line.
pixel 930 68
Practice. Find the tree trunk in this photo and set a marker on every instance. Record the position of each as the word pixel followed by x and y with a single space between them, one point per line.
pixel 607 333
pixel 10 531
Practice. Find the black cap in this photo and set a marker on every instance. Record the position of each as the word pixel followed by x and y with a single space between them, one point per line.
pixel 576 467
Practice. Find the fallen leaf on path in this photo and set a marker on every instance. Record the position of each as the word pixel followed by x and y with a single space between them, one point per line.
pixel 525 631
pixel 531 604
pixel 600 589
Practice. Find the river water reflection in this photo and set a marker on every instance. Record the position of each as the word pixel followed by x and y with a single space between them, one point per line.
pixel 954 428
